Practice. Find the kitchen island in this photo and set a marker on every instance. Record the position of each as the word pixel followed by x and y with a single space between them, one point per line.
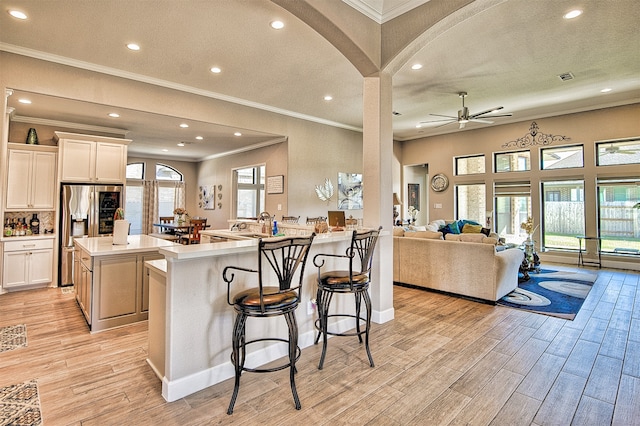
pixel 190 338
pixel 111 283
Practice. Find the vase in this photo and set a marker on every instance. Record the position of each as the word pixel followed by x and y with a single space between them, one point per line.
pixel 180 219
pixel 32 137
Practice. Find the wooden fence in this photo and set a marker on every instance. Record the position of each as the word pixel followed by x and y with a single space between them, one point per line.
pixel 567 218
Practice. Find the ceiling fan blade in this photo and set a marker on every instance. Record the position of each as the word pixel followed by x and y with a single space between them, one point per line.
pixel 448 116
pixel 437 121
pixel 498 115
pixel 481 120
pixel 445 124
pixel 486 112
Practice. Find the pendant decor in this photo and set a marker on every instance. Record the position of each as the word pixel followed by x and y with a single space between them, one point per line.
pixel 535 138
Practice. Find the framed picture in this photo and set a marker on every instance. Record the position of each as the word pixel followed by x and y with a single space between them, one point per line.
pixel 275 184
pixel 349 191
pixel 413 195
pixel 206 197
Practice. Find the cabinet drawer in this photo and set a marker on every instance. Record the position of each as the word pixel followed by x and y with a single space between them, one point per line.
pixel 28 245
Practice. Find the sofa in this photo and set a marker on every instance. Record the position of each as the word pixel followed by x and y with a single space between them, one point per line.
pixel 469 265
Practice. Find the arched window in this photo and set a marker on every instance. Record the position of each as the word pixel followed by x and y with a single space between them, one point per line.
pixel 167 184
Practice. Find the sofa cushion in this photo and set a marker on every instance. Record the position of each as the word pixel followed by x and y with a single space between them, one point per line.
pixel 398 231
pixel 417 228
pixel 425 234
pixel 490 240
pixel 471 229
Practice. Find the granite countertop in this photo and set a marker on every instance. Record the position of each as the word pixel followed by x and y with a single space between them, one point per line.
pixel 103 246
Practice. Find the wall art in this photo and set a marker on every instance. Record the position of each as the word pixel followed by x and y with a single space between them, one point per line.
pixel 349 191
pixel 206 197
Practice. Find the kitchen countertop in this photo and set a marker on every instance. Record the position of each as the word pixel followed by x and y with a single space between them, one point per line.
pixel 103 246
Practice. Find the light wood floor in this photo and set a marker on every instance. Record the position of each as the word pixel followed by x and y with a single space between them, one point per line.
pixel 443 360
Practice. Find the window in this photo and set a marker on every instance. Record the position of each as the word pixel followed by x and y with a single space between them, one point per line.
pixel 471 202
pixel 618 220
pixel 563 157
pixel 513 161
pixel 135 193
pixel 135 171
pixel 620 152
pixel 249 184
pixel 512 206
pixel 563 210
pixel 470 165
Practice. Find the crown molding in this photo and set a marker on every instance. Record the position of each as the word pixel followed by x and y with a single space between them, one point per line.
pixel 378 13
pixel 68 125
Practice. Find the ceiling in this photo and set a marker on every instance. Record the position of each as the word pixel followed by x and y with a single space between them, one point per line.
pixel 510 54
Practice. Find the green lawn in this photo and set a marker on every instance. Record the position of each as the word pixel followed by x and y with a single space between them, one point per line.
pixel 608 243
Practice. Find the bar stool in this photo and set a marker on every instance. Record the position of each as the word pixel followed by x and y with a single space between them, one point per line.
pixel 354 280
pixel 282 257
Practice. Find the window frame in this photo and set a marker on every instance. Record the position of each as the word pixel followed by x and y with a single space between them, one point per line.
pixel 495 161
pixel 456 167
pixel 556 148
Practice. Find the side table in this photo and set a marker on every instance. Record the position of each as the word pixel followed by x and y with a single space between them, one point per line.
pixel 581 261
pixel 530 261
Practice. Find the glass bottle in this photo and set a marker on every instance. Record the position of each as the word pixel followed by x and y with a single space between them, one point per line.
pixel 275 227
pixel 35 224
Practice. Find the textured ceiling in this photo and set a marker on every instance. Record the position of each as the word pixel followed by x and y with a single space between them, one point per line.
pixel 509 54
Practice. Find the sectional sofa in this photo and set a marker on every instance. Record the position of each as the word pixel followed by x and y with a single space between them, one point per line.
pixel 466 264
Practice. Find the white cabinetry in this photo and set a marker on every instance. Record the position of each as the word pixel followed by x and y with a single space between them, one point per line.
pixel 92 159
pixel 27 263
pixel 31 177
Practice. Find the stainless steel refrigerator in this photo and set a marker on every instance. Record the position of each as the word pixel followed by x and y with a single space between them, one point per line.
pixel 86 211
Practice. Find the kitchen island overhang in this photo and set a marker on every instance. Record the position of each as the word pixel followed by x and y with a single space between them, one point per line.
pixel 198 322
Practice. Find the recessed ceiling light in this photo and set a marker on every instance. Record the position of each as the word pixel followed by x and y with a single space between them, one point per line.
pixel 328 98
pixel 184 125
pixel 165 150
pixel 572 14
pixel 416 66
pixel 277 25
pixel 17 14
pixel 216 70
pixel 237 134
pixel 199 138
pixel 24 101
pixel 114 115
pixel 606 90
pixel 180 143
pixel 133 46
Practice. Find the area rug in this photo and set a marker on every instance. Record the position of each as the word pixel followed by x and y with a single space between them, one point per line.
pixel 556 293
pixel 13 337
pixel 20 405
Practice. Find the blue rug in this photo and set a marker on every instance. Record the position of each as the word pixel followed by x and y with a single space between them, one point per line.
pixel 555 293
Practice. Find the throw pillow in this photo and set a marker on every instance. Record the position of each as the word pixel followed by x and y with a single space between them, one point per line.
pixel 471 229
pixel 454 228
pixel 486 231
pixel 417 228
pixel 426 234
pixel 452 237
pixel 472 238
pixel 432 227
pixel 489 240
pixel 438 222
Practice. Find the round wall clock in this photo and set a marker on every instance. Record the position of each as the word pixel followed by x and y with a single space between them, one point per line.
pixel 439 182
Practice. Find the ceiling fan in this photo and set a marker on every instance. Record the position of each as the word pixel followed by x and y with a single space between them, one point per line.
pixel 464 117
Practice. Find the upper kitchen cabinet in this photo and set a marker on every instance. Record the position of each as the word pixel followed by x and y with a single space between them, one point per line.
pixel 92 159
pixel 31 177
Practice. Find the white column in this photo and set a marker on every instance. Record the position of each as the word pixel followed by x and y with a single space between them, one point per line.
pixel 377 147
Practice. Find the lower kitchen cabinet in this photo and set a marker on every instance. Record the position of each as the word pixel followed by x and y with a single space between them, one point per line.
pixel 27 264
pixel 113 290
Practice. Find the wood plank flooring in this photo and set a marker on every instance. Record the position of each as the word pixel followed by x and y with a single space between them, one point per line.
pixel 442 361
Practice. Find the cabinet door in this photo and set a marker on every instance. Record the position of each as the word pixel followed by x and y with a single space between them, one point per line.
pixel 43 181
pixel 110 162
pixel 15 269
pixel 40 266
pixel 77 161
pixel 18 179
pixel 116 286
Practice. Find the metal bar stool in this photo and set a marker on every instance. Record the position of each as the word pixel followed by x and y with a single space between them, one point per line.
pixel 354 280
pixel 282 256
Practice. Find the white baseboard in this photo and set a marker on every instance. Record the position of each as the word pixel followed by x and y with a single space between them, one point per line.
pixel 606 263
